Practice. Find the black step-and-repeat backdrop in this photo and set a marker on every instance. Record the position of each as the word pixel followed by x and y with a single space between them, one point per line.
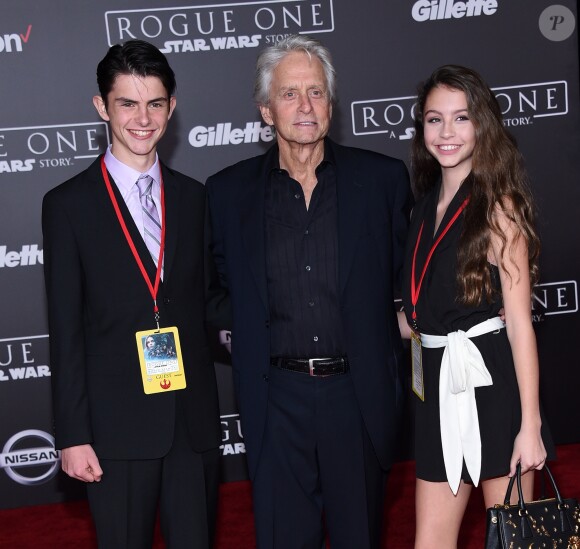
pixel 49 131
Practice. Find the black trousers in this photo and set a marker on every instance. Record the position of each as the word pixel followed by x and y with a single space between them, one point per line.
pixel 318 473
pixel 182 486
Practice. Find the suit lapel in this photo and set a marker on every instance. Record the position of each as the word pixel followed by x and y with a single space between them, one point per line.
pixel 351 211
pixel 172 200
pixel 130 223
pixel 252 212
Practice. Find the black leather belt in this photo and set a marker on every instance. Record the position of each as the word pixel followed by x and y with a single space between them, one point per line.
pixel 318 367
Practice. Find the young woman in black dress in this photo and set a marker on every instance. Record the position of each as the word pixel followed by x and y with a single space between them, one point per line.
pixel 472 250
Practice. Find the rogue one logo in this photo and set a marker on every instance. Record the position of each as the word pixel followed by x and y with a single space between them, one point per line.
pixel 30 449
pixel 220 27
pixel 24 358
pixel 56 146
pixel 554 298
pixel 232 437
pixel 520 105
pixel 433 10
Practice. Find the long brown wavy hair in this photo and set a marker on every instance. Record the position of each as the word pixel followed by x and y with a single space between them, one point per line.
pixel 497 181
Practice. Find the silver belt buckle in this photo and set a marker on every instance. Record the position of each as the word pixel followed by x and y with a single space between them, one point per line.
pixel 311 362
pixel 311 365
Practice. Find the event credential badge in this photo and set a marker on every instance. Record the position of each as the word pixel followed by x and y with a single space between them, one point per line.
pixel 161 362
pixel 417 366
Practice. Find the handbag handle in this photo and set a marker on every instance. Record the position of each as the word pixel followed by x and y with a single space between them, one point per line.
pixel 565 525
pixel 518 478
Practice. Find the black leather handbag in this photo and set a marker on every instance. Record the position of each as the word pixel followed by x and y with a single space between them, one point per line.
pixel 552 523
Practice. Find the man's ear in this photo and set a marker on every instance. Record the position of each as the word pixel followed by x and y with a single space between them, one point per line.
pixel 266 115
pixel 101 108
pixel 172 104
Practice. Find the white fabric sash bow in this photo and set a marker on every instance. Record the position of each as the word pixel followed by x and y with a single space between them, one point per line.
pixel 462 369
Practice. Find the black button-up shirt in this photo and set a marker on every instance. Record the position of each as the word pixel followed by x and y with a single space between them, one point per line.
pixel 302 265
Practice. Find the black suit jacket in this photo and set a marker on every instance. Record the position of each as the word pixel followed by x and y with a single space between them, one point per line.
pixel 374 200
pixel 98 300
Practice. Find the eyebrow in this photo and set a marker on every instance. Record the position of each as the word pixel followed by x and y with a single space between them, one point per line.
pixel 439 112
pixel 135 101
pixel 298 86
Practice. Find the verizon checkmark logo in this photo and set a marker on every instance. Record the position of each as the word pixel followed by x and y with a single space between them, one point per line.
pixel 26 36
pixel 12 42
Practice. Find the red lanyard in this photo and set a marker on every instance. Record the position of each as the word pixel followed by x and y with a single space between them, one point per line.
pixel 152 288
pixel 415 289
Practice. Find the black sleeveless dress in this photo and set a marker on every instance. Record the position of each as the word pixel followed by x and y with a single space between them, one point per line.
pixel 439 313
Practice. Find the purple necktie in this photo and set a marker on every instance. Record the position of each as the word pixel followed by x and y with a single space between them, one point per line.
pixel 151 222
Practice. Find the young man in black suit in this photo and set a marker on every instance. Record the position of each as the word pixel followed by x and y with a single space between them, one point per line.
pixel 125 260
pixel 309 240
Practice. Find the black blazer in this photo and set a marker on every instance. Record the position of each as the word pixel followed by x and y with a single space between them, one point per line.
pixel 98 299
pixel 374 201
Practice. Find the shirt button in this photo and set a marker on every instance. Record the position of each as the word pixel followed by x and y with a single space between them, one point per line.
pixel 315 338
pixel 308 267
pixel 311 303
pixel 297 196
pixel 306 231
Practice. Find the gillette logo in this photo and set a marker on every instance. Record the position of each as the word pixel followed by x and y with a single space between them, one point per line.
pixel 29 254
pixel 223 134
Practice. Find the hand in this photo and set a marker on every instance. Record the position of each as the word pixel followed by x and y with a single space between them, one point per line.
pixel 501 314
pixel 529 451
pixel 226 339
pixel 404 327
pixel 81 462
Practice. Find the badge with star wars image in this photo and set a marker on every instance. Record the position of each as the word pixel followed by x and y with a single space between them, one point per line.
pixel 160 359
